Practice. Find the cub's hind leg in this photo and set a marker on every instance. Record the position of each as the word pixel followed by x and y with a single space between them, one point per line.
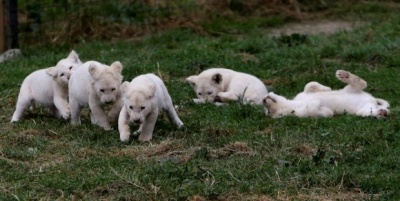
pixel 24 101
pixel 355 83
pixel 22 105
pixel 312 87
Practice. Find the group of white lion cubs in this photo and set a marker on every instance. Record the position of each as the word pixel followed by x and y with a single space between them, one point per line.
pixel 71 85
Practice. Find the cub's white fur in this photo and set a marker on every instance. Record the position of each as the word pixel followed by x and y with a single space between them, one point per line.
pixel 318 100
pixel 48 87
pixel 96 85
pixel 224 85
pixel 144 97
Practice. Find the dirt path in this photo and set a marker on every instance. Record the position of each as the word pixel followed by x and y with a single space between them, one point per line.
pixel 314 27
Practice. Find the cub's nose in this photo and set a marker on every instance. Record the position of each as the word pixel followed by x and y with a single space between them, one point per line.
pixel 382 113
pixel 108 102
pixel 137 121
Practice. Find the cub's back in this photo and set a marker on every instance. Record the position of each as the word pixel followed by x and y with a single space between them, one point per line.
pixel 40 86
pixel 80 82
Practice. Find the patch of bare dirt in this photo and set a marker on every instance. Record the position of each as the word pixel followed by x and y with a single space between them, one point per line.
pixel 315 27
pixel 233 148
pixel 246 57
pixel 167 150
pixel 350 195
pixel 305 150
pixel 173 151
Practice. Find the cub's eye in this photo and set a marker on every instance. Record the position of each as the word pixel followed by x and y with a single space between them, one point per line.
pixel 62 74
pixel 70 67
pixel 199 94
pixel 102 90
pixel 131 107
pixel 142 108
pixel 113 89
pixel 209 93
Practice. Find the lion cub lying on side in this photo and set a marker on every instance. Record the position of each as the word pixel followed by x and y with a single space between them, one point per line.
pixel 224 85
pixel 144 97
pixel 320 101
pixel 48 87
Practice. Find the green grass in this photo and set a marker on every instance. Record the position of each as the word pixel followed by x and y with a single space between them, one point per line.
pixel 233 152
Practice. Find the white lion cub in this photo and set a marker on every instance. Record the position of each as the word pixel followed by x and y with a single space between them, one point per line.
pixel 224 85
pixel 144 97
pixel 48 87
pixel 96 85
pixel 318 100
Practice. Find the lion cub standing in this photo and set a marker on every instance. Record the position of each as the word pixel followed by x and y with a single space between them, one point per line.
pixel 48 87
pixel 224 85
pixel 96 85
pixel 144 97
pixel 318 100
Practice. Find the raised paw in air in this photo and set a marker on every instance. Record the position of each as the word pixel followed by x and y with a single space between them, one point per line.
pixel 341 74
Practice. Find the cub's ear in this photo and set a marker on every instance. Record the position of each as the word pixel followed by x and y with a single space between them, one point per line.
pixel 93 70
pixel 192 80
pixel 52 71
pixel 116 67
pixel 217 78
pixel 151 90
pixel 74 57
pixel 124 87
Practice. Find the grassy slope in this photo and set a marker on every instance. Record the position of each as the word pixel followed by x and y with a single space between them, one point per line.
pixel 232 152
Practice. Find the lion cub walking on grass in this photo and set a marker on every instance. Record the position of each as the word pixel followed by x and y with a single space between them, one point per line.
pixel 96 85
pixel 48 87
pixel 218 85
pixel 144 97
pixel 318 100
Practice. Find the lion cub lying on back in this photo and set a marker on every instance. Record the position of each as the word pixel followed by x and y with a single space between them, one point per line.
pixel 144 97
pixel 320 101
pixel 224 85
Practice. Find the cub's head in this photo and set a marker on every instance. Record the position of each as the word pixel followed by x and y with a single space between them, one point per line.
pixel 138 100
pixel 64 68
pixel 106 81
pixel 206 88
pixel 277 106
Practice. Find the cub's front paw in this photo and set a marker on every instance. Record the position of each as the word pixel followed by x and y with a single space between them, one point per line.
pixel 197 101
pixel 66 113
pixel 220 104
pixel 144 138
pixel 124 137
